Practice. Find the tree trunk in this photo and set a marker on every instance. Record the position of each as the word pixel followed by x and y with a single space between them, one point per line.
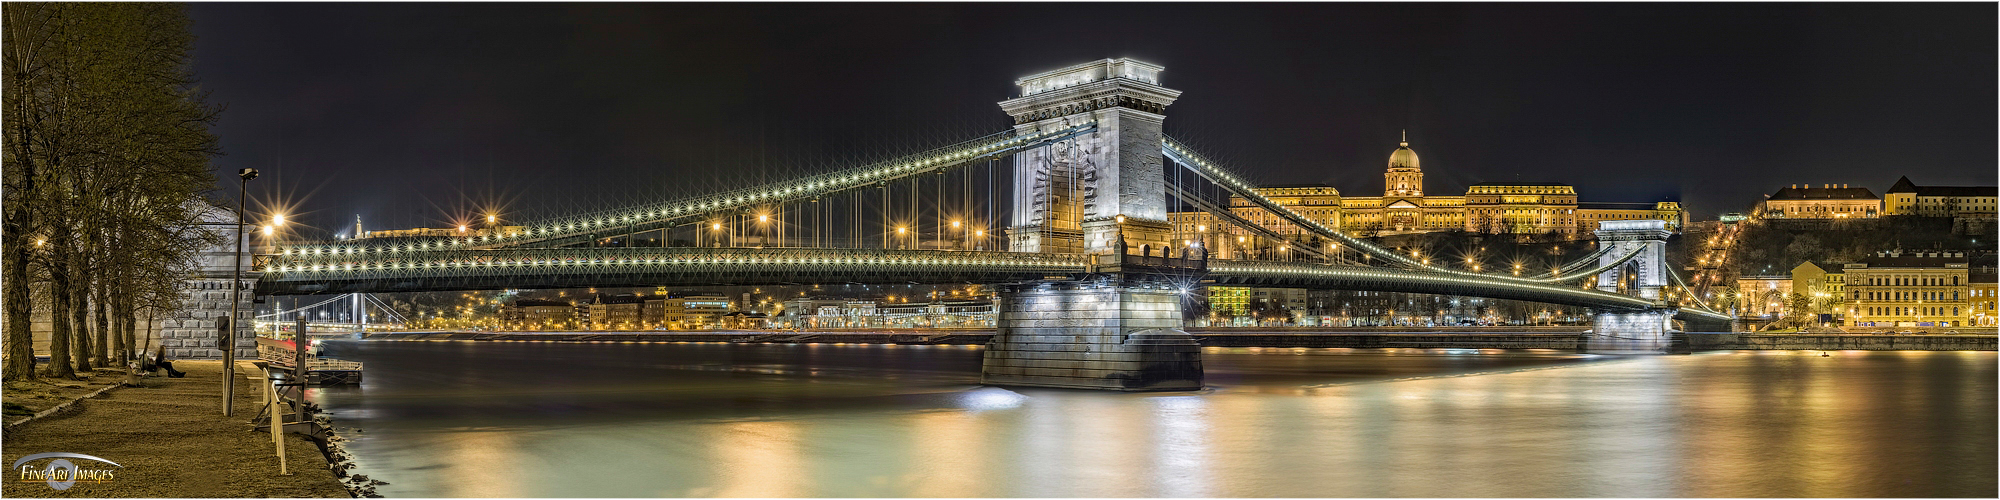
pixel 19 310
pixel 101 301
pixel 150 335
pixel 59 334
pixel 79 309
pixel 122 322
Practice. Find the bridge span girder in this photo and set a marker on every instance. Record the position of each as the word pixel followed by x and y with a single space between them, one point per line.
pixel 1334 277
pixel 647 267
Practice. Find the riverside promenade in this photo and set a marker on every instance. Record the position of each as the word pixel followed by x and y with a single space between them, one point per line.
pixel 169 439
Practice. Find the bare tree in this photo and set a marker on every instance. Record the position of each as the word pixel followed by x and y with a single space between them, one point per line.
pixel 107 143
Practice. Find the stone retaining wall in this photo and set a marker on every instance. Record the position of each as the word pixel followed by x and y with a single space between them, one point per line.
pixel 1394 340
pixel 1443 340
pixel 191 332
pixel 1835 342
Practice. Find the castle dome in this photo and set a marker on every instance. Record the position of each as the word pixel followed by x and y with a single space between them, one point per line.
pixel 1404 157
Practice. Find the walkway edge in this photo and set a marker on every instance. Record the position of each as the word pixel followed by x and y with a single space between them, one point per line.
pixel 61 407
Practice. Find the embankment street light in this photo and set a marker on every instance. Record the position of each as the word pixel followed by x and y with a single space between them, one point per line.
pixel 228 337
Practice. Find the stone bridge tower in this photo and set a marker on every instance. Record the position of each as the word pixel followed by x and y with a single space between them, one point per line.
pixel 1633 332
pixel 1080 195
pixel 1649 237
pixel 1101 193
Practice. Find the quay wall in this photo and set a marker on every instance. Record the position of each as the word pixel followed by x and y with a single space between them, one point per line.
pixel 1237 338
pixel 1392 340
pixel 1840 342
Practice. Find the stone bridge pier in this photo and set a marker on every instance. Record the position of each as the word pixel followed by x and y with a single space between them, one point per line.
pixel 193 329
pixel 1092 336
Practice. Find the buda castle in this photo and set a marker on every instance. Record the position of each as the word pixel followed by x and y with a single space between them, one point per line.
pixel 1524 208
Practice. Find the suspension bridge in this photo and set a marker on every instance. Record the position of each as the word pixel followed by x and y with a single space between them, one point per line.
pixel 1091 275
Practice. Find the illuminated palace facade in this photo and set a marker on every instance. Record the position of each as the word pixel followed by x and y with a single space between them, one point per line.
pixel 1490 208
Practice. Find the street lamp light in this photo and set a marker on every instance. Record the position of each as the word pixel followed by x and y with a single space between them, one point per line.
pixel 228 338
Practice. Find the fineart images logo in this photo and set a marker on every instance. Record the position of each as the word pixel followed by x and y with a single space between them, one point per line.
pixel 60 473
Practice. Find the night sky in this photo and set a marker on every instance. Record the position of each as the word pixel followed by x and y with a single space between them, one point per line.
pixel 419 114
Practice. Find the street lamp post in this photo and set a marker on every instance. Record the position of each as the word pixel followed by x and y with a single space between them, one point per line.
pixel 228 337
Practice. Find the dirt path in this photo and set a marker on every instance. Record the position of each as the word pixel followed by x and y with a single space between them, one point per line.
pixel 172 441
pixel 28 397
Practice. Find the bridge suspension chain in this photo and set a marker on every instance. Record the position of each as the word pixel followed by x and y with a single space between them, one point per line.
pixel 302 308
pixel 1231 217
pixel 1214 173
pixel 653 216
pixel 1691 293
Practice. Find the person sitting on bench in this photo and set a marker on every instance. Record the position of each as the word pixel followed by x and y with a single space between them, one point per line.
pixel 159 361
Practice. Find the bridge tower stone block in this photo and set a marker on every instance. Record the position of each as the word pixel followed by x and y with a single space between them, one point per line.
pixel 1085 193
pixel 193 330
pixel 1648 331
pixel 1649 237
pixel 1100 193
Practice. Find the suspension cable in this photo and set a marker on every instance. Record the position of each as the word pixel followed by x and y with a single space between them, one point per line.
pixel 301 308
pixel 1225 214
pixel 1234 184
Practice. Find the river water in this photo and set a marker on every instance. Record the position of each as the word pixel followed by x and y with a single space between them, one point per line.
pixel 511 419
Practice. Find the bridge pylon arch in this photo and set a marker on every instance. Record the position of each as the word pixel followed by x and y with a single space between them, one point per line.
pixel 1083 194
pixel 1101 193
pixel 1649 238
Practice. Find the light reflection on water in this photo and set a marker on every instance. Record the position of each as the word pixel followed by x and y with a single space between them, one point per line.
pixel 465 419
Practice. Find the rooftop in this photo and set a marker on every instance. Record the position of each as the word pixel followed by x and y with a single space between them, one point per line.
pixel 623 298
pixel 1898 258
pixel 1078 74
pixel 1616 205
pixel 1521 184
pixel 1903 185
pixel 1824 193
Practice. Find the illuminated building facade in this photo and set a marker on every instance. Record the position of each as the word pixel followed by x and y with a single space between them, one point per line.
pixel 1907 198
pixel 1909 289
pixel 1985 284
pixel 1823 284
pixel 616 312
pixel 1403 208
pixel 1825 202
pixel 1762 295
pixel 538 313
pixel 1229 301
pixel 693 311
pixel 1810 277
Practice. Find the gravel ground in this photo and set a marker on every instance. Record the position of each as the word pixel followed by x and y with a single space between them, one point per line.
pixel 28 397
pixel 172 441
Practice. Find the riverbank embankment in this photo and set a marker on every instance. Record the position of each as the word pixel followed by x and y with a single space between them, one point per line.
pixel 169 439
pixel 1841 342
pixel 1254 338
